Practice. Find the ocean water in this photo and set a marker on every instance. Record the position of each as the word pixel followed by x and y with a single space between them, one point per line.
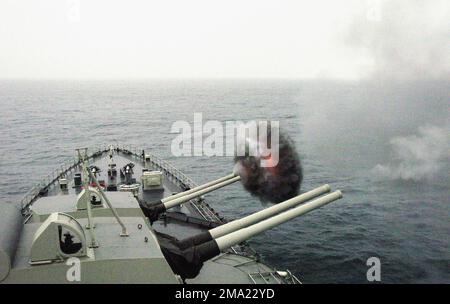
pixel 385 145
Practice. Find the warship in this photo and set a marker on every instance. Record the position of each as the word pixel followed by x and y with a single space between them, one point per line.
pixel 124 215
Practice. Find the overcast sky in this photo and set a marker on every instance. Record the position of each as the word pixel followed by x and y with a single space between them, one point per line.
pixel 224 39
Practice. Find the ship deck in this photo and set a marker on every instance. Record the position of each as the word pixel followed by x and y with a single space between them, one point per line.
pixel 240 264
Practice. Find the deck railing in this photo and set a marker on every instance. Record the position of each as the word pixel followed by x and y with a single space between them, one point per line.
pixel 50 180
pixel 269 276
pixel 47 182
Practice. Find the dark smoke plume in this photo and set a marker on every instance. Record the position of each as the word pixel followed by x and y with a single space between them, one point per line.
pixel 273 184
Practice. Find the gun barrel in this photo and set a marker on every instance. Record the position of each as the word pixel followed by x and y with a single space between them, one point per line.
pixel 206 185
pixel 268 212
pixel 186 257
pixel 181 199
pixel 243 234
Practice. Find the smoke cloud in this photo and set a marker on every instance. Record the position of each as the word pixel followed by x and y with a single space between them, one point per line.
pixel 404 40
pixel 274 184
pixel 417 157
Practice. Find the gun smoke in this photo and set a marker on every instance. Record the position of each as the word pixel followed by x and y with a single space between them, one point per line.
pixel 274 184
pixel 417 157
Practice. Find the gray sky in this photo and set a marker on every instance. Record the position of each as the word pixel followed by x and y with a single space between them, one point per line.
pixel 224 39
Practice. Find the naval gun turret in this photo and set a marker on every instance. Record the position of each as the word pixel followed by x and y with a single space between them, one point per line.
pixel 155 209
pixel 186 257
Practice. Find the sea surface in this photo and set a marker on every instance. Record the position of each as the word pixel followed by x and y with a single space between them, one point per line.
pixel 384 144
